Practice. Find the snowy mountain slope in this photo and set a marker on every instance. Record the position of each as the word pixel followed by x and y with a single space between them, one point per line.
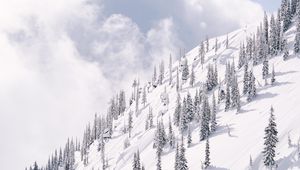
pixel 238 135
pixel 246 128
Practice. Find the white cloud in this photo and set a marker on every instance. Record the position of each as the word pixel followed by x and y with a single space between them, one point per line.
pixel 54 65
pixel 215 17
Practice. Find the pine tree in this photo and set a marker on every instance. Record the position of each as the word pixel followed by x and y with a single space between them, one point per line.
pixel 273 76
pixel 136 165
pixel 246 79
pixel 207 44
pixel 227 98
pixel 242 56
pixel 189 137
pixel 177 112
pixel 176 166
pixel 197 106
pixel 273 36
pixel 183 116
pixel 189 108
pixel 177 81
pixel 202 53
pixel 266 30
pixel 130 123
pixel 252 87
pixel 192 77
pixel 289 140
pixel 137 98
pixel 171 136
pixel 144 97
pixel 265 69
pixel 138 160
pixel 158 156
pixel 102 152
pixel 150 117
pixel 213 126
pixel 182 160
pixel 250 162
pixel 207 153
pixel 146 124
pixel 160 138
pixel 161 73
pixel 234 92
pixel 285 50
pixel 170 70
pixel 227 42
pixel 270 142
pixel 35 166
pixel 285 14
pixel 297 38
pixel 278 31
pixel 216 45
pixel 185 69
pixel 205 118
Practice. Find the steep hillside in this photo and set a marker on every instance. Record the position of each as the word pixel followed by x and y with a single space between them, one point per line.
pixel 238 135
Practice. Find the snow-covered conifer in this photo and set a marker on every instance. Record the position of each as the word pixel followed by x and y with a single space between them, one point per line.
pixel 130 126
pixel 270 142
pixel 189 137
pixel 227 42
pixel 285 50
pixel 183 116
pixel 207 44
pixel 246 79
pixel 185 69
pixel 144 97
pixel 182 160
pixel 177 81
pixel 177 111
pixel 227 98
pixel 213 126
pixel 207 154
pixel 192 77
pixel 189 111
pixel 273 76
pixel 205 118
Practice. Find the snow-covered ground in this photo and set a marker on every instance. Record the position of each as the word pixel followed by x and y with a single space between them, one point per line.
pixel 246 128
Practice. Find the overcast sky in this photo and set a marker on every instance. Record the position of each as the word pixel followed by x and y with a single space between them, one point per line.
pixel 61 62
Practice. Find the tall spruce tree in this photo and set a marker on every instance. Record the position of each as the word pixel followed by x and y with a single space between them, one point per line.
pixel 144 97
pixel 270 142
pixel 252 87
pixel 182 160
pixel 205 118
pixel 176 166
pixel 192 77
pixel 207 155
pixel 171 136
pixel 183 116
pixel 213 126
pixel 189 111
pixel 177 81
pixel 189 137
pixel 265 68
pixel 273 76
pixel 170 70
pixel 246 79
pixel 177 111
pixel 185 69
pixel 285 50
pixel 227 98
